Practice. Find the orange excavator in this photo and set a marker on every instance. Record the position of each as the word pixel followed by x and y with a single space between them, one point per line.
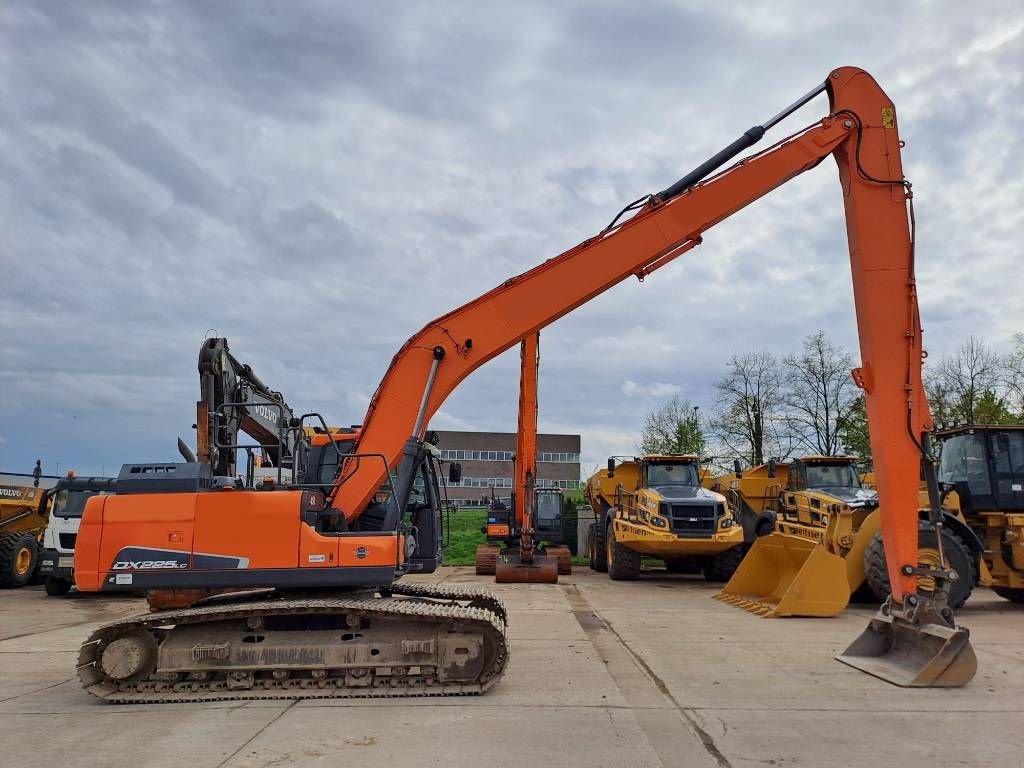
pixel 512 553
pixel 333 618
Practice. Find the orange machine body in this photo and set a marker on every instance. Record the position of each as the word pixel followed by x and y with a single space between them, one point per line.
pixel 860 132
pixel 223 539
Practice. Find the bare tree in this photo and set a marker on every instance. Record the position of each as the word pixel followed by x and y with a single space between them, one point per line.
pixel 1014 376
pixel 963 381
pixel 820 394
pixel 675 427
pixel 747 416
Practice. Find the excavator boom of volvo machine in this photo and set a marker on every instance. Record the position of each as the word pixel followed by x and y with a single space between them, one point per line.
pixel 379 519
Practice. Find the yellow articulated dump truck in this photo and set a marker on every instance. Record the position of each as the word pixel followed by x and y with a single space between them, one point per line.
pixel 655 506
pixel 819 540
pixel 23 517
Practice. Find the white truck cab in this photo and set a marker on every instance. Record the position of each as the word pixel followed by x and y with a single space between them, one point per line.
pixel 57 560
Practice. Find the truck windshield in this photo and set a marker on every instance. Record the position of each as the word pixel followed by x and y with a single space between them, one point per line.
pixel 963 461
pixel 672 474
pixel 71 503
pixel 832 476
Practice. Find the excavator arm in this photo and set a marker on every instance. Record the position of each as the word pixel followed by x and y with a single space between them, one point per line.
pixel 861 132
pixel 234 400
pixel 526 444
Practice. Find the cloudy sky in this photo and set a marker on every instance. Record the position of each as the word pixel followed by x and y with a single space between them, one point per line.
pixel 316 181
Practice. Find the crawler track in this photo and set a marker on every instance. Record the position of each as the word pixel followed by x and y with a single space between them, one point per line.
pixel 429 643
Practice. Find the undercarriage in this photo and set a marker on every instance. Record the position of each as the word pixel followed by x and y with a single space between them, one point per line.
pixel 407 640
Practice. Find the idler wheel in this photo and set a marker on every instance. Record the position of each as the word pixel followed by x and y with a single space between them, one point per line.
pixel 129 658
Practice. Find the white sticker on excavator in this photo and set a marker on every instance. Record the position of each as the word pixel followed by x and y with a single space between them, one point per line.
pixel 123 578
pixel 318 558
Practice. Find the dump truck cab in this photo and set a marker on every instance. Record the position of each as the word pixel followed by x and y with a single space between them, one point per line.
pixel 981 476
pixel 657 506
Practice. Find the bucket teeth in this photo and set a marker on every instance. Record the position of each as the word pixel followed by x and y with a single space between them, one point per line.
pixel 754 606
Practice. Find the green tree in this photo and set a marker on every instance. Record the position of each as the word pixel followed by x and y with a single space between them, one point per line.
pixel 674 427
pixel 853 432
pixel 992 409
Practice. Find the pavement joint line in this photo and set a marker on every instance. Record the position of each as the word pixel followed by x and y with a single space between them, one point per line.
pixel 37 690
pixel 266 725
pixel 47 631
pixel 133 709
pixel 577 601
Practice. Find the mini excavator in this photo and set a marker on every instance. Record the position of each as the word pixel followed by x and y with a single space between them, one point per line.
pixel 326 613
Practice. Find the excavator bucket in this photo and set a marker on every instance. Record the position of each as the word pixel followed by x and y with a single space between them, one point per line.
pixel 922 651
pixel 785 575
pixel 512 570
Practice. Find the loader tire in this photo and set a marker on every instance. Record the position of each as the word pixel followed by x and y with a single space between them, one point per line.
pixel 1014 595
pixel 18 558
pixel 623 562
pixel 598 553
pixel 722 566
pixel 958 557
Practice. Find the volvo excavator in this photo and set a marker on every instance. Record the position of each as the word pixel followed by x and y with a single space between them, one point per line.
pixel 514 553
pixel 330 615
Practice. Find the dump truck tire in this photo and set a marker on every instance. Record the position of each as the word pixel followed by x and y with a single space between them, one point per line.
pixel 958 556
pixel 1010 593
pixel 623 562
pixel 57 587
pixel 18 557
pixel 598 555
pixel 722 566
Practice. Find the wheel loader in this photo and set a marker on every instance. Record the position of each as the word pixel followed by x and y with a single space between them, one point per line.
pixel 981 476
pixel 818 540
pixel 655 506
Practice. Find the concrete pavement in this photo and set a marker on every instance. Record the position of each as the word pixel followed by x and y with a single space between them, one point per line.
pixel 602 673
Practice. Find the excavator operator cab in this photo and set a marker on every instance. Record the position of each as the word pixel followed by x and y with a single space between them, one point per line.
pixel 985 466
pixel 547 515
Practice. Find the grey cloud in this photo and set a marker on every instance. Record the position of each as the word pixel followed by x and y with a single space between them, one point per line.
pixel 317 180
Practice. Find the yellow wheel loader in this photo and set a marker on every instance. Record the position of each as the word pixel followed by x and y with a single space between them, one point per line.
pixel 655 506
pixel 981 476
pixel 818 540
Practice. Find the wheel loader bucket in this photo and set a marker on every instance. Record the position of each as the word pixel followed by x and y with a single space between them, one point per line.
pixel 511 570
pixel 784 575
pixel 923 651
